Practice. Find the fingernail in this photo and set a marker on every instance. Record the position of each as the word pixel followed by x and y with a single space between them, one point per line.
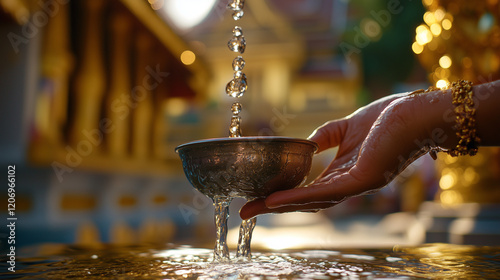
pixel 274 206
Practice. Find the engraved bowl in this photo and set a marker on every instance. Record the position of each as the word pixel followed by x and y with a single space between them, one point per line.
pixel 248 167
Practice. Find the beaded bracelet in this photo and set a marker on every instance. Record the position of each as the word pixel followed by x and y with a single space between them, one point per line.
pixel 465 120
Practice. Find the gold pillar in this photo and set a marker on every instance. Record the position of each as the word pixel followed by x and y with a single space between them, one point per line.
pixel 90 80
pixel 57 63
pixel 119 102
pixel 142 93
pixel 160 122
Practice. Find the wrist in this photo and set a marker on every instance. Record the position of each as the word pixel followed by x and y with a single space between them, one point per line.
pixel 434 112
pixel 487 100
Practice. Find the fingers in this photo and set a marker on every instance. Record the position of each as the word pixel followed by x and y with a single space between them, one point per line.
pixel 329 134
pixel 323 193
pixel 253 208
pixel 333 190
pixel 258 207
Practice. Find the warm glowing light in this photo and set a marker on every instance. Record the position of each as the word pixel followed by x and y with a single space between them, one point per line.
pixel 448 159
pixel 439 14
pixel 423 36
pixel 429 18
pixel 442 84
pixel 428 2
pixel 447 181
pixel 186 14
pixel 421 28
pixel 434 76
pixel 436 29
pixel 283 242
pixel 188 57
pixel 445 61
pixel 417 48
pixel 175 107
pixel 156 4
pixel 188 252
pixel 442 73
pixel 470 176
pixel 446 24
pixel 450 197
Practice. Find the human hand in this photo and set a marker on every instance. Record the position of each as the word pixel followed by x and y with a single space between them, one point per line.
pixel 376 143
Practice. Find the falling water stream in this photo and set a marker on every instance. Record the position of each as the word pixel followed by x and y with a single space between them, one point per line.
pixel 221 251
pixel 245 237
pixel 236 88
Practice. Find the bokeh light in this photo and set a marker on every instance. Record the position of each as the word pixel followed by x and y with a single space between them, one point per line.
pixel 188 57
pixel 445 61
pixel 442 84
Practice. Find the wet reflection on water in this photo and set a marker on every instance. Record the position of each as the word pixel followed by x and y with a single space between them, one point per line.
pixel 436 261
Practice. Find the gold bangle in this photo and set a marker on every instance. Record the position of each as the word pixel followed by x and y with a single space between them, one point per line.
pixel 465 119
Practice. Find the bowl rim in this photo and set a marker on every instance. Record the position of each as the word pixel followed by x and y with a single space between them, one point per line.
pixel 248 139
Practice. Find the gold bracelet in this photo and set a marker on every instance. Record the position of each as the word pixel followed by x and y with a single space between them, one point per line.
pixel 465 118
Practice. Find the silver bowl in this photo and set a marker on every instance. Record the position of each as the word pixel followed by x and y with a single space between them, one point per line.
pixel 248 167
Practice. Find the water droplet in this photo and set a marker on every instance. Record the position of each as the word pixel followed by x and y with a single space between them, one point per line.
pixel 237 44
pixel 236 108
pixel 237 31
pixel 236 87
pixel 238 14
pixel 238 63
pixel 240 75
pixel 235 127
pixel 236 5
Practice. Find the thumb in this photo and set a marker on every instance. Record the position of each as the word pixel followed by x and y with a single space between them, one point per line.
pixel 329 134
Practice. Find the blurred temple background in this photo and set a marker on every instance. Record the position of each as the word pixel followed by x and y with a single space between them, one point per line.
pixel 95 96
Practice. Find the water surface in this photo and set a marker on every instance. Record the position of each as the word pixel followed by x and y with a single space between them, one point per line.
pixel 434 261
